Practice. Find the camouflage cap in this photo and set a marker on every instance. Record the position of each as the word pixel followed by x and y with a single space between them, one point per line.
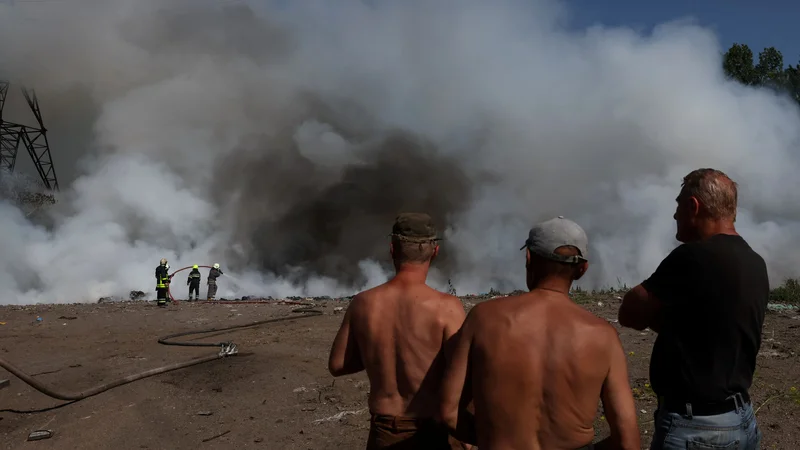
pixel 414 227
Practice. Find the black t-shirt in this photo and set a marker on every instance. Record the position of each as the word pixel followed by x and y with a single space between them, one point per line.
pixel 715 295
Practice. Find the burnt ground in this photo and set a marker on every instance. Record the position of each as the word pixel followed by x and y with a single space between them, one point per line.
pixel 277 393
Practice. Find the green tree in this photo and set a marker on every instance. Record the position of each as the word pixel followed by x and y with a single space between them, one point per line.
pixel 792 81
pixel 769 70
pixel 738 64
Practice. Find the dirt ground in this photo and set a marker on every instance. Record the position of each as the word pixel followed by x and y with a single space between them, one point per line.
pixel 277 393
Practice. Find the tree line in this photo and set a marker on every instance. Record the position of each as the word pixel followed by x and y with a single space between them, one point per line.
pixel 739 64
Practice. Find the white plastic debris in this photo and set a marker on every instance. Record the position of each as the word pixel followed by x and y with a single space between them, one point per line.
pixel 340 416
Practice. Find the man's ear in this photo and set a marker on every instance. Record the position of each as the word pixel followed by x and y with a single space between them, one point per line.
pixel 391 249
pixel 582 268
pixel 435 252
pixel 694 206
pixel 527 258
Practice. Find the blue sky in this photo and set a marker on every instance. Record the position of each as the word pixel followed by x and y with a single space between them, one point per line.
pixel 768 23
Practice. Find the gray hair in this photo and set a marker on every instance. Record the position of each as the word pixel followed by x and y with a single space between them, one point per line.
pixel 714 190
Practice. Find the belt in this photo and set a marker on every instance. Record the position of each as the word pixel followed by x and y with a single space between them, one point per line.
pixel 690 408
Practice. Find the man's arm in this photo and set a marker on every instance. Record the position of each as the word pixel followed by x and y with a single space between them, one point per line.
pixel 465 422
pixel 643 306
pixel 618 405
pixel 456 389
pixel 345 358
pixel 639 310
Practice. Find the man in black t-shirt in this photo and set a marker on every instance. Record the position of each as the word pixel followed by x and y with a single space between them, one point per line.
pixel 706 301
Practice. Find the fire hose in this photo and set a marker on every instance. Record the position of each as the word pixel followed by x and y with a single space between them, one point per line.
pixel 169 291
pixel 226 349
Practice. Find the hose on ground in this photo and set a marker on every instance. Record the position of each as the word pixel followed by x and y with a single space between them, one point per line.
pixel 308 311
pixel 227 349
pixel 80 395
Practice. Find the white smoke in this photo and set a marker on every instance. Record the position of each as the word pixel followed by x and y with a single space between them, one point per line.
pixel 598 125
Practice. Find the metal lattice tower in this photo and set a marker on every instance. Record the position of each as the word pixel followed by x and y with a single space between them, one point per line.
pixel 34 139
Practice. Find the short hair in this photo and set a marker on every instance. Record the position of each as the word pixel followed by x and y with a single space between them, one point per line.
pixel 412 252
pixel 558 268
pixel 715 190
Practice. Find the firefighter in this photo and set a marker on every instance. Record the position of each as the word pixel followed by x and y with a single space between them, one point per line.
pixel 213 274
pixel 162 282
pixel 194 283
pixel 168 281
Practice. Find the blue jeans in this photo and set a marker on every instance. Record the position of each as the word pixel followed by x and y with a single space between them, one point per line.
pixel 735 430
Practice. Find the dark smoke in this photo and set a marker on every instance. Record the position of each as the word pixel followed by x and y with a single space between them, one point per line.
pixel 291 211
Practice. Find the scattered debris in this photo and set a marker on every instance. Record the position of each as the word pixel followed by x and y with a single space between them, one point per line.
pixel 38 435
pixel 204 413
pixel 67 318
pixel 300 389
pixel 782 307
pixel 4 383
pixel 217 436
pixel 341 415
pixel 338 309
pixel 137 295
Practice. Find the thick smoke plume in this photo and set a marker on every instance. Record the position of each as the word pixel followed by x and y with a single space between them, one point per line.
pixel 280 139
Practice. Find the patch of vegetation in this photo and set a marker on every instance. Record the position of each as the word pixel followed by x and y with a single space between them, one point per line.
pixel 582 296
pixel 794 394
pixel 788 292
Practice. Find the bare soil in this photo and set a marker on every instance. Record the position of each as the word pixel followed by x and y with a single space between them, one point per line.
pixel 277 393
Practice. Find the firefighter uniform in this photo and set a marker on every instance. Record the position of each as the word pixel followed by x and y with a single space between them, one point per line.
pixel 194 283
pixel 162 282
pixel 213 274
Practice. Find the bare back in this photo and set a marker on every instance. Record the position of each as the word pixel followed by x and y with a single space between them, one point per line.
pixel 400 330
pixel 539 363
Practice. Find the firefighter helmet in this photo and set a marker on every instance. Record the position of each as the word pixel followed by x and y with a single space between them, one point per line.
pixel 195 266
pixel 163 261
pixel 216 265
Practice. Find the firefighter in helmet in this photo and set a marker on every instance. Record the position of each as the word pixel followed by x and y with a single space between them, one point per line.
pixel 194 283
pixel 162 282
pixel 213 274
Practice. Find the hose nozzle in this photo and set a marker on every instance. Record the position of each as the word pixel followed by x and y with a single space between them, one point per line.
pixel 228 349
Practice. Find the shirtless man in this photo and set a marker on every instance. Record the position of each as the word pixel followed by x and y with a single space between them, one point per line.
pixel 536 365
pixel 396 332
